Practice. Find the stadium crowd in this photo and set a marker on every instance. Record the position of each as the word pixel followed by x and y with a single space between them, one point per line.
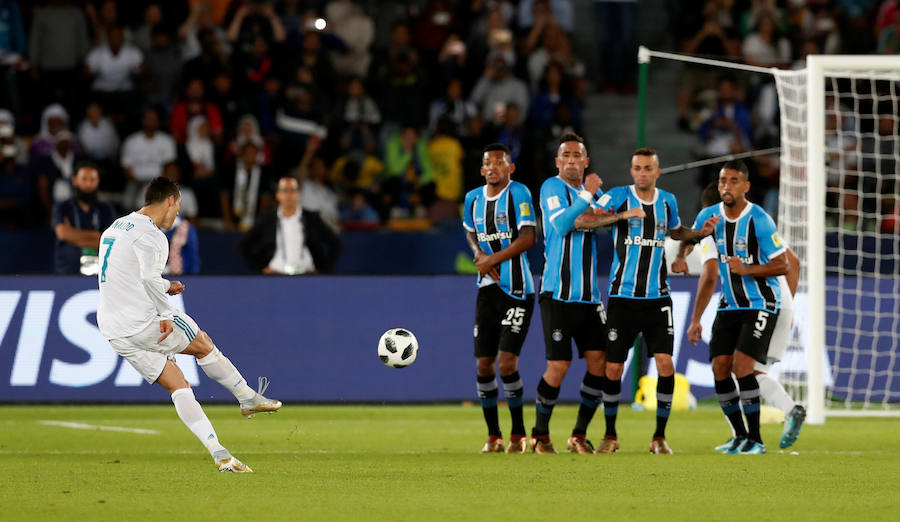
pixel 379 109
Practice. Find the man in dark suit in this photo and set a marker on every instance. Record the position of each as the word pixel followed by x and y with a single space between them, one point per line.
pixel 290 240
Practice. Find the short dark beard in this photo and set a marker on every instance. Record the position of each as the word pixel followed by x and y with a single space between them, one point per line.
pixel 88 198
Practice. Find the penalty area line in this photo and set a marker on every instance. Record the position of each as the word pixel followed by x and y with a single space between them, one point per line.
pixel 98 427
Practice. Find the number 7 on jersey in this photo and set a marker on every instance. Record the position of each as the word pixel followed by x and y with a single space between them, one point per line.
pixel 108 241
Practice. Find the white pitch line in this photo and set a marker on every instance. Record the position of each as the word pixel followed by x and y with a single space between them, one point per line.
pixel 82 426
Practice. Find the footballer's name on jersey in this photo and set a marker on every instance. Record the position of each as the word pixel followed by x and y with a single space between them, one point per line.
pixel 494 236
pixel 644 242
pixel 121 224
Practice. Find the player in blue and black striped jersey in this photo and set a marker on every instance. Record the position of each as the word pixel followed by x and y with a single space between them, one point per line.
pixel 639 300
pixel 571 308
pixel 500 227
pixel 751 257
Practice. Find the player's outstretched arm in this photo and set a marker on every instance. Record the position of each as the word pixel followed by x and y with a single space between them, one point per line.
pixel 779 265
pixel 597 218
pixel 689 234
pixel 706 285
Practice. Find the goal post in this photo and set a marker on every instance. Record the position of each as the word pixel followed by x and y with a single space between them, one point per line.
pixel 818 67
pixel 839 210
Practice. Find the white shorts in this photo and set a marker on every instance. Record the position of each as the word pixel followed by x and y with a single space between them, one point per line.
pixel 781 336
pixel 149 357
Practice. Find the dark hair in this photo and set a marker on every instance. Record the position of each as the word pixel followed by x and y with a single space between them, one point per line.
pixel 645 151
pixel 570 136
pixel 497 146
pixel 710 195
pixel 739 166
pixel 160 189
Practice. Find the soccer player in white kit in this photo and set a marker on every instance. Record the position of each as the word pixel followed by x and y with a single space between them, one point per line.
pixel 135 317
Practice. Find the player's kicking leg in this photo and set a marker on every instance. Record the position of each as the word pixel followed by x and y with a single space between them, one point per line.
pixel 191 414
pixel 220 369
pixel 772 390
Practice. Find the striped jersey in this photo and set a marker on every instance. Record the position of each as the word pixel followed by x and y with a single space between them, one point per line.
pixel 754 238
pixel 496 222
pixel 708 251
pixel 570 255
pixel 639 268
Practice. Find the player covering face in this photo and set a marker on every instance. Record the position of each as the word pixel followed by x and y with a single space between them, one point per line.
pixel 500 228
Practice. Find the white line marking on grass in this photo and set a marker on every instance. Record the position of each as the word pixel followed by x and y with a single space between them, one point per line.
pixel 82 426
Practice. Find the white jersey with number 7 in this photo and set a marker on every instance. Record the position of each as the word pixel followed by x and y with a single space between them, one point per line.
pixel 133 253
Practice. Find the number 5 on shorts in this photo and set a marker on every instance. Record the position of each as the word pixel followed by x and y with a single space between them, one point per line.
pixel 108 241
pixel 762 319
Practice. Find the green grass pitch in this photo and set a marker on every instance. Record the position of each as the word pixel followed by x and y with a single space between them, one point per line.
pixel 422 463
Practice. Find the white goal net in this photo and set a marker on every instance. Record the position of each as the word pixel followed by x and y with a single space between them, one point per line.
pixel 839 210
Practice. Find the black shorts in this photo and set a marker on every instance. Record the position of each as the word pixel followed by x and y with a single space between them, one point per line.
pixel 745 331
pixel 563 322
pixel 628 317
pixel 501 321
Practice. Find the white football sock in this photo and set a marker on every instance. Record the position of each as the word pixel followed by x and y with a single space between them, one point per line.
pixel 772 391
pixel 218 368
pixel 192 416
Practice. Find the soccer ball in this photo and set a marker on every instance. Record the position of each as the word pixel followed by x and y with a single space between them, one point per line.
pixel 398 347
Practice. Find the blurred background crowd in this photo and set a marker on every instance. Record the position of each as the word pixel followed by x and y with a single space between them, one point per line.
pixel 379 109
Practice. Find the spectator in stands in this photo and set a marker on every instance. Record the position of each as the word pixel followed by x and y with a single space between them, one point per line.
pixel 13 48
pixel 54 172
pixel 252 20
pixel 245 194
pixel 142 37
pixel 555 47
pixel 358 169
pixel 889 39
pixel 78 222
pixel 210 59
pixel 21 146
pixel 408 185
pixel 201 33
pixel 446 154
pixel 162 61
pixel 356 29
pixel 54 119
pixel 58 44
pixel 299 121
pixel 184 248
pixel 713 40
pixel 315 189
pixel 729 129
pixel 497 88
pixel 247 130
pixel 15 182
pixel 198 158
pixel 189 207
pixel 360 115
pixel 531 12
pixel 290 239
pixel 357 213
pixel 114 65
pixel 400 88
pixel 144 154
pixel 553 91
pixel 103 20
pixel 765 47
pixel 99 138
pixel 452 106
pixel 195 104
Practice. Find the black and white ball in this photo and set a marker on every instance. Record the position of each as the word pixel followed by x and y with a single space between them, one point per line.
pixel 398 347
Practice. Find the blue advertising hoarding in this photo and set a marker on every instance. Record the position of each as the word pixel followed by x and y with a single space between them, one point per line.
pixel 313 337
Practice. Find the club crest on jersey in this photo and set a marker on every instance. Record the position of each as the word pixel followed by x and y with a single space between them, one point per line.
pixel 661 227
pixel 613 334
pixel 524 209
pixel 557 335
pixel 501 218
pixel 740 244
